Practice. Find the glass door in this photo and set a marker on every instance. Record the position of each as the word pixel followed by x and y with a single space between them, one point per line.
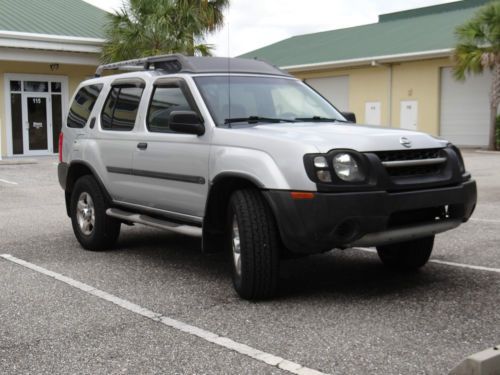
pixel 37 127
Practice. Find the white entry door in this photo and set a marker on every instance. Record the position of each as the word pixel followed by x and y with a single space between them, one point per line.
pixel 372 113
pixel 37 128
pixel 409 114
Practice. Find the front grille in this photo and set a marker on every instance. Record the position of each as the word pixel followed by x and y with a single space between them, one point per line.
pixel 412 163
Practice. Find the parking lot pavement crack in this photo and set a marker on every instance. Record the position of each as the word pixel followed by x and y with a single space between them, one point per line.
pixel 227 343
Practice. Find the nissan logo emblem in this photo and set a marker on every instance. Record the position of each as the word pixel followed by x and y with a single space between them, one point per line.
pixel 405 142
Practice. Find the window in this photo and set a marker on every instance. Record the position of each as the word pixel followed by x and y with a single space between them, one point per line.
pixel 36 86
pixel 82 106
pixel 120 109
pixel 15 85
pixel 245 96
pixel 165 99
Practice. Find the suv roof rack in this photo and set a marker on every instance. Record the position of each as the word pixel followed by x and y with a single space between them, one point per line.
pixel 176 63
pixel 171 63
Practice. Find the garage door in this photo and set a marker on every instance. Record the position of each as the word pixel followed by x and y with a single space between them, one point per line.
pixel 465 108
pixel 335 89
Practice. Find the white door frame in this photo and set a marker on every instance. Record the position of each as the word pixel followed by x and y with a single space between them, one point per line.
pixel 8 113
pixel 26 96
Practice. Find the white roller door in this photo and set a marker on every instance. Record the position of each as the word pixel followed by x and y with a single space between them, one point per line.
pixel 335 89
pixel 465 108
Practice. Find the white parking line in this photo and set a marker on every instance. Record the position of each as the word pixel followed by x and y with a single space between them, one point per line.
pixel 485 220
pixel 8 182
pixel 453 264
pixel 225 342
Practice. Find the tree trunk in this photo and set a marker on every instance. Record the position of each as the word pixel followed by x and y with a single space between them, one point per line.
pixel 493 128
pixel 494 102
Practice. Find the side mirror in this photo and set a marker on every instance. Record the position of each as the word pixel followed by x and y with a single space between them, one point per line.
pixel 188 122
pixel 349 116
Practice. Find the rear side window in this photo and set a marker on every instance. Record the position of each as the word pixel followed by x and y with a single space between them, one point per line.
pixel 165 99
pixel 82 106
pixel 120 109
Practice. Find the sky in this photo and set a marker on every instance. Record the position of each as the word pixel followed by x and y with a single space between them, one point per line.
pixel 252 24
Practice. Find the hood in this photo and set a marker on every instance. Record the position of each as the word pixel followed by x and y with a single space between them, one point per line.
pixel 363 138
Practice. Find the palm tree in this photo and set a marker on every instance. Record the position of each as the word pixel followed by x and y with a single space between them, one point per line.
pixel 151 27
pixel 478 49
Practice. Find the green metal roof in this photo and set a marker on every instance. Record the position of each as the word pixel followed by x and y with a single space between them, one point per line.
pixel 55 17
pixel 412 31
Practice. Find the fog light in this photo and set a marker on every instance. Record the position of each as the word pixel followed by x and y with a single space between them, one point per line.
pixel 324 176
pixel 320 162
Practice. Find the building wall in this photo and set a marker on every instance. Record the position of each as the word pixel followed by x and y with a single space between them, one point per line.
pixel 75 74
pixel 414 80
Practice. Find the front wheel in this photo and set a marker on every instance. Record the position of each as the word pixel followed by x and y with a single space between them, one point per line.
pixel 92 227
pixel 409 255
pixel 253 241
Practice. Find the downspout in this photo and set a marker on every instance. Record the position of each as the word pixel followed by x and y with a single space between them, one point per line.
pixel 374 63
pixel 389 105
pixel 1 130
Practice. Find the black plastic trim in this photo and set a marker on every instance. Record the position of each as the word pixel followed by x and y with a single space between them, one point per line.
pixel 377 177
pixel 62 174
pixel 332 220
pixel 159 175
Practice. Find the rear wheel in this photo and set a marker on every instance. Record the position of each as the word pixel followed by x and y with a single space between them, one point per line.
pixel 253 241
pixel 407 255
pixel 92 227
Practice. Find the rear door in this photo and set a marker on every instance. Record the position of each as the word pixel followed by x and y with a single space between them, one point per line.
pixel 171 169
pixel 116 139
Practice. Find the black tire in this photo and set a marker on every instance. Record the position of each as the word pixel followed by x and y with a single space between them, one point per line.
pixel 409 255
pixel 259 245
pixel 105 230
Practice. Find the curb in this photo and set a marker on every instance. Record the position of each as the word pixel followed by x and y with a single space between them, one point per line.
pixel 486 362
pixel 488 152
pixel 17 161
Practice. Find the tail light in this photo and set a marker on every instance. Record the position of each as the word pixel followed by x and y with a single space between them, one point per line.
pixel 61 138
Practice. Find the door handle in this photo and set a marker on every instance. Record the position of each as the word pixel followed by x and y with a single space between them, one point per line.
pixel 142 146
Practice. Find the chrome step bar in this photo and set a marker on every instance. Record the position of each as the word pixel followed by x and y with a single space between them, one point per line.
pixel 412 163
pixel 187 230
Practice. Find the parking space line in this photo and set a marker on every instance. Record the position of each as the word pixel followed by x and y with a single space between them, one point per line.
pixel 453 264
pixel 485 220
pixel 470 266
pixel 225 342
pixel 8 182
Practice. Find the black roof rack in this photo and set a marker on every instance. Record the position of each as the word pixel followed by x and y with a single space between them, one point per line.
pixel 176 63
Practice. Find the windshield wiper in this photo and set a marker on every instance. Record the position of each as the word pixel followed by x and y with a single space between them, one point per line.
pixel 256 119
pixel 319 119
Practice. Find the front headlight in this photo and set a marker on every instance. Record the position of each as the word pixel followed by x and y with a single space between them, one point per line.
pixel 346 168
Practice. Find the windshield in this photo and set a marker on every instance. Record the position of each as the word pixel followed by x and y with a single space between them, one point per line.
pixel 251 100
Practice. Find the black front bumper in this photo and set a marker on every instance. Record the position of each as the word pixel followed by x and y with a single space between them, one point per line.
pixel 332 220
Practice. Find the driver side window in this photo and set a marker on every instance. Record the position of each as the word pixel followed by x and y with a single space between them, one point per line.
pixel 165 99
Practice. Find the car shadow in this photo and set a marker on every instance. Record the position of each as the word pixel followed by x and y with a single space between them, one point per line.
pixel 335 273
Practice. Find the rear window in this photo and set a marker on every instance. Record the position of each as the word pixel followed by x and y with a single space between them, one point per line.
pixel 82 106
pixel 120 110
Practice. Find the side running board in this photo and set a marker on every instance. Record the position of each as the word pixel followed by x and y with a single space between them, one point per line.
pixel 187 230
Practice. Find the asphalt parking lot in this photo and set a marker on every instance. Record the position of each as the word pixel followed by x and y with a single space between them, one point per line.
pixel 144 305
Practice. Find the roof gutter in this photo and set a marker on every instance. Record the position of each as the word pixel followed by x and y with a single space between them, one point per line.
pixel 373 60
pixel 15 39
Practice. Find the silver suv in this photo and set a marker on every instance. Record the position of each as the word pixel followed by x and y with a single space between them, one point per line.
pixel 253 161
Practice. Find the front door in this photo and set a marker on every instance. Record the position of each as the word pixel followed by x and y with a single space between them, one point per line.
pixel 37 138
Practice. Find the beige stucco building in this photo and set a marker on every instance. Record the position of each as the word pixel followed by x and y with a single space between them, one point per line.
pixel 46 50
pixel 396 73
